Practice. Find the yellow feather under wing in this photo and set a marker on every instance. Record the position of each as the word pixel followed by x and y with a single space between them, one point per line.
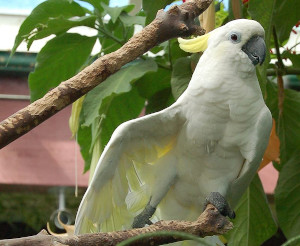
pixel 120 199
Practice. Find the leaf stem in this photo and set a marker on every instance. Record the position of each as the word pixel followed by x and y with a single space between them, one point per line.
pixel 280 70
pixel 170 54
pixel 287 70
pixel 109 35
pixel 290 49
pixel 279 63
pixel 292 241
pixel 183 235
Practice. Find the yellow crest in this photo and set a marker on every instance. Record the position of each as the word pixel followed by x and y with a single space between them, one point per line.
pixel 195 44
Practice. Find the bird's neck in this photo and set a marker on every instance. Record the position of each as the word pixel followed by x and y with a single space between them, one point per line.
pixel 224 77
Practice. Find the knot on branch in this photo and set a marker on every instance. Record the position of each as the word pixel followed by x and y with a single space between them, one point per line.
pixel 178 21
pixel 215 223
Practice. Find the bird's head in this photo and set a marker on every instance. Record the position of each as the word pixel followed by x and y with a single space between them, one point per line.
pixel 242 36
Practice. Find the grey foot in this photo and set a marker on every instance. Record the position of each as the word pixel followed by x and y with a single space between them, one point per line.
pixel 144 217
pixel 216 199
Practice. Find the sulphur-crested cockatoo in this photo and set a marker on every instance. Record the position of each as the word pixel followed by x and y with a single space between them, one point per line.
pixel 206 147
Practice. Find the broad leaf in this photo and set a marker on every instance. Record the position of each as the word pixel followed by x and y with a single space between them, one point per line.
pixel 271 13
pixel 118 83
pixel 97 4
pixel 151 7
pixel 60 25
pixel 181 76
pixel 257 10
pixel 113 35
pixel 84 139
pixel 41 15
pixel 159 101
pixel 174 52
pixel 113 41
pixel 114 110
pixel 61 58
pixel 114 12
pixel 287 10
pixel 287 196
pixel 254 223
pixel 288 125
pixel 295 59
pixel 129 20
pixel 117 110
pixel 151 83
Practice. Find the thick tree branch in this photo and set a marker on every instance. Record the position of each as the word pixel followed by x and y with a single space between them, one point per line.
pixel 178 21
pixel 210 222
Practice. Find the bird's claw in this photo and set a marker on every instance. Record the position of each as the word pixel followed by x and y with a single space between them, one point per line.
pixel 143 218
pixel 140 222
pixel 216 199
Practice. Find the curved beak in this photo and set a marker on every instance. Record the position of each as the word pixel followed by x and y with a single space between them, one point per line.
pixel 255 48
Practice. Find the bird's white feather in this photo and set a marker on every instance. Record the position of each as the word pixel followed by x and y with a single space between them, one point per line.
pixel 211 139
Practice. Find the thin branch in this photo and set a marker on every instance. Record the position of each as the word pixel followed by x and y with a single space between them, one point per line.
pixel 170 55
pixel 287 71
pixel 210 222
pixel 176 22
pixel 290 49
pixel 280 62
pixel 119 41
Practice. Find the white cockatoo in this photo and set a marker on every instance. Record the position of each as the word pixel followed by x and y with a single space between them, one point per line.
pixel 206 147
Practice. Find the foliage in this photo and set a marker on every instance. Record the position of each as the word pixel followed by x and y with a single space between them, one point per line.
pixel 157 79
pixel 14 207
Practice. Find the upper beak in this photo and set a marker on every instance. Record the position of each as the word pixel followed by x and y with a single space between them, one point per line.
pixel 255 48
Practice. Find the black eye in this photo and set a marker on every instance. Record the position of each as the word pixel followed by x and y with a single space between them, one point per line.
pixel 234 37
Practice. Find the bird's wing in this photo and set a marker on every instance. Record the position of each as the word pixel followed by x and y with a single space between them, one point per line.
pixel 253 155
pixel 118 191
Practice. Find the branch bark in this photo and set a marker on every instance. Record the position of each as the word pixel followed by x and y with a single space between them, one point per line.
pixel 210 222
pixel 177 22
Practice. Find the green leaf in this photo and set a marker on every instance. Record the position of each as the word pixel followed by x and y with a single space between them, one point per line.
pixel 159 101
pixel 97 4
pixel 118 83
pixel 288 125
pixel 295 241
pixel 295 59
pixel 181 76
pixel 61 58
pixel 112 36
pixel 109 45
pixel 221 15
pixel 118 109
pixel 257 10
pixel 287 196
pixel 287 10
pixel 129 20
pixel 151 83
pixel 115 109
pixel 60 25
pixel 254 223
pixel 41 15
pixel 151 7
pixel 269 13
pixel 114 12
pixel 84 139
pixel 174 50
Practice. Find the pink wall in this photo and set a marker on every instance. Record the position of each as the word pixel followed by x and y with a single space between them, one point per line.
pixel 46 155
